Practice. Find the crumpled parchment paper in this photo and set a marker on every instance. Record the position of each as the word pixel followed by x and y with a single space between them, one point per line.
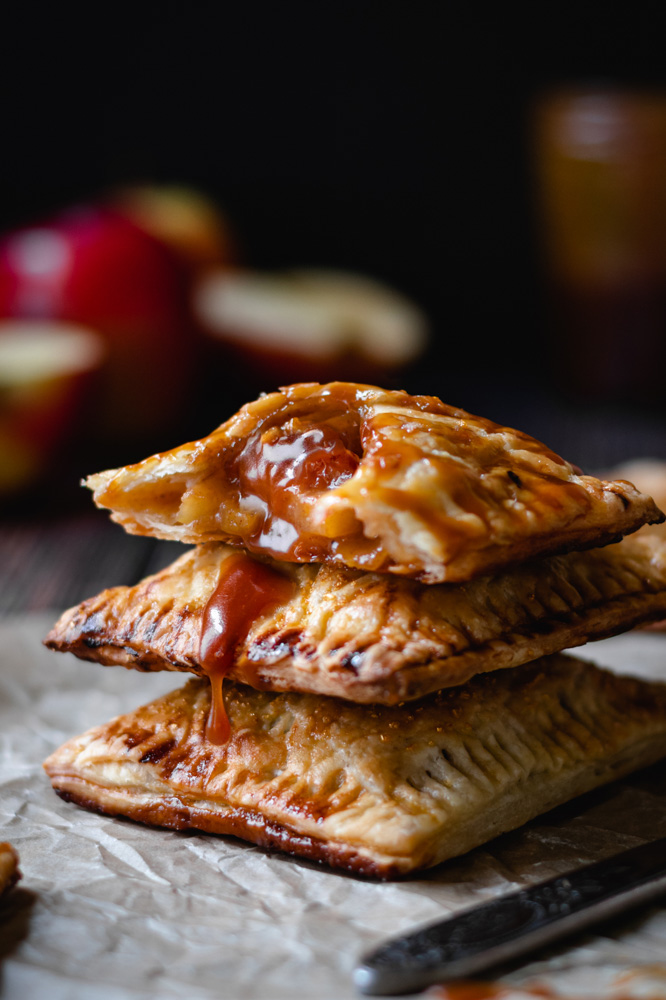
pixel 109 910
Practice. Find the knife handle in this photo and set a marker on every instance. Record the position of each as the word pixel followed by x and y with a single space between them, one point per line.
pixel 505 928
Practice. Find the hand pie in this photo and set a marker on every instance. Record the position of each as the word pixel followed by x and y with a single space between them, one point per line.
pixel 9 870
pixel 369 637
pixel 381 791
pixel 355 476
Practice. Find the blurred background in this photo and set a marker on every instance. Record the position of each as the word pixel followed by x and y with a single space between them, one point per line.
pixel 203 201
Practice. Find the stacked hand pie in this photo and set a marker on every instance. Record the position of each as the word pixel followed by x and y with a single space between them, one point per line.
pixel 364 562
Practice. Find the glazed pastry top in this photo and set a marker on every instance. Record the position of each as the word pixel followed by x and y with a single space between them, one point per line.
pixel 356 476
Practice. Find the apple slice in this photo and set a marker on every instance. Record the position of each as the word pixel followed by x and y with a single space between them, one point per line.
pixel 185 220
pixel 311 323
pixel 45 368
pixel 91 266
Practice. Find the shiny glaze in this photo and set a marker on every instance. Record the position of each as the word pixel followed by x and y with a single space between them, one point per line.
pixel 281 473
pixel 283 470
pixel 246 589
pixel 352 475
pixel 474 478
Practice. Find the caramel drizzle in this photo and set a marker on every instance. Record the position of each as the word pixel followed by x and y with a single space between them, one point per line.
pixel 283 470
pixel 246 589
pixel 472 990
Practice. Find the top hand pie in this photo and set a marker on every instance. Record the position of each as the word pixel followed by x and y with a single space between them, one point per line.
pixel 375 480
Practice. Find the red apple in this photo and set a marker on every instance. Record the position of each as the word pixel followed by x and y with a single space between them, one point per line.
pixel 95 267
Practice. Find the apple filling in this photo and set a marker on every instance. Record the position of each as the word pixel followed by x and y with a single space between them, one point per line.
pixel 272 485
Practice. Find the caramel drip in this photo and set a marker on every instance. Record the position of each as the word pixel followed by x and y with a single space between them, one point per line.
pixel 245 590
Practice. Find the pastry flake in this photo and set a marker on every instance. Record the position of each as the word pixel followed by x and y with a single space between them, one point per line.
pixel 356 476
pixel 370 637
pixel 382 792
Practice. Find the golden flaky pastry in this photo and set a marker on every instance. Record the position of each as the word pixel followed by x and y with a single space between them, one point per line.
pixel 381 791
pixel 356 476
pixel 369 637
pixel 9 869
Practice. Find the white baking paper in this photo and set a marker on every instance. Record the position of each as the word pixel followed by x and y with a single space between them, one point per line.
pixel 111 910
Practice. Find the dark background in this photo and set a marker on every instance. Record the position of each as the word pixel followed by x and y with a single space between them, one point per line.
pixel 389 138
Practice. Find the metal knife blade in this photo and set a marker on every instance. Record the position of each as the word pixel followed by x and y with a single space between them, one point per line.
pixel 505 928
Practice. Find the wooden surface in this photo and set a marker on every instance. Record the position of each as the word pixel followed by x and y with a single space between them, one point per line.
pixel 52 564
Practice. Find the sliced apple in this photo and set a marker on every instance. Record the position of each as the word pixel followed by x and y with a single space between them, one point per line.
pixel 311 322
pixel 184 219
pixel 44 370
pixel 91 266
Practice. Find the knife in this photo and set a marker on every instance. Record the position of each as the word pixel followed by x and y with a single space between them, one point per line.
pixel 505 928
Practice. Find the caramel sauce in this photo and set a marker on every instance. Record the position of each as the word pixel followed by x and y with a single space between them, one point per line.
pixel 245 590
pixel 281 474
pixel 471 990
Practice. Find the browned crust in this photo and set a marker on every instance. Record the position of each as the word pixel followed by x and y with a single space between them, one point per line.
pixel 380 790
pixel 368 637
pixel 245 824
pixel 600 622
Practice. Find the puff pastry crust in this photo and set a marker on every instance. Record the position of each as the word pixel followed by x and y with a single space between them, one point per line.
pixel 381 792
pixel 9 870
pixel 357 476
pixel 369 637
